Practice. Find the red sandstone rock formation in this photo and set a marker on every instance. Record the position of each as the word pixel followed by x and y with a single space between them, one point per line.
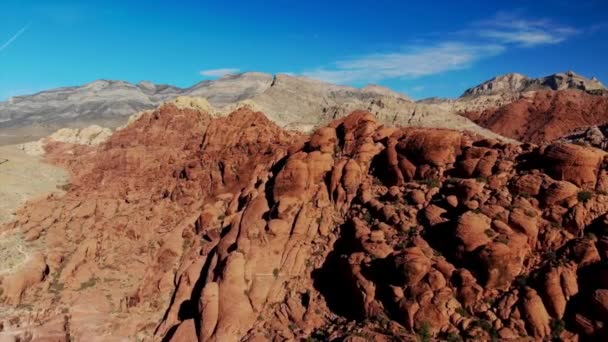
pixel 184 227
pixel 545 116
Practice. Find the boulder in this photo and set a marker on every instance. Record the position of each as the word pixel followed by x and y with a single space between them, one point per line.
pixel 528 184
pixel 501 265
pixel 558 192
pixel 573 163
pixel 471 230
pixel 535 314
pixel 324 139
pixel 412 265
pixel 432 147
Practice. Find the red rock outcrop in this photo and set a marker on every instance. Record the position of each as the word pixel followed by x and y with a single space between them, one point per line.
pixel 184 227
pixel 544 116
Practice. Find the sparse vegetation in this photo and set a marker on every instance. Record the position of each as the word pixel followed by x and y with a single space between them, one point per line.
pixel 367 217
pixel 27 307
pixel 555 224
pixel 551 256
pixel 490 233
pixel 590 236
pixel 383 322
pixel 452 337
pixel 530 213
pixel 412 233
pixel 525 194
pixel 485 324
pixel 489 328
pixel 275 272
pixel 513 207
pixel 186 243
pixel 522 280
pixel 424 332
pixel 56 287
pixel 337 150
pixel 482 179
pixel 452 180
pixel 65 187
pixel 463 312
pixel 557 328
pixel 584 196
pixel 318 336
pixel 503 239
pixel 89 283
pixel 430 182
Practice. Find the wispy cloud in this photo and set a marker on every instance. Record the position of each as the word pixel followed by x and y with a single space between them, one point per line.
pixel 418 88
pixel 478 41
pixel 415 62
pixel 508 28
pixel 15 37
pixel 219 72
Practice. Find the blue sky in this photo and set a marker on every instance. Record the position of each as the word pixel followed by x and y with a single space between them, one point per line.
pixel 425 48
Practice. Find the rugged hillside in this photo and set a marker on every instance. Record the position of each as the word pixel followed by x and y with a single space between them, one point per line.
pixel 517 84
pixel 110 103
pixel 483 103
pixel 293 102
pixel 302 104
pixel 595 136
pixel 186 227
pixel 544 115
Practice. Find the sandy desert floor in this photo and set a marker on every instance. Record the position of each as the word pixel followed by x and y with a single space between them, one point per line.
pixel 24 177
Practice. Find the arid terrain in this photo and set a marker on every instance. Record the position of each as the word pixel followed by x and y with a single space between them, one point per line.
pixel 544 115
pixel 194 224
pixel 24 177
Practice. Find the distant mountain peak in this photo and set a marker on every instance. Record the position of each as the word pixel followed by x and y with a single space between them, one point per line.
pixel 382 90
pixel 147 84
pixel 518 83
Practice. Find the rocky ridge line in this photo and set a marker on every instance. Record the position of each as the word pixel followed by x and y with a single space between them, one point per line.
pixel 515 83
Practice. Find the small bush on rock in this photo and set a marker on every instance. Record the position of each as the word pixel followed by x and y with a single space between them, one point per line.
pixel 584 196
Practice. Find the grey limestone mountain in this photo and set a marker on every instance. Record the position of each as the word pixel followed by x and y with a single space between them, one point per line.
pixel 294 102
pixel 518 83
pixel 502 90
pixel 109 103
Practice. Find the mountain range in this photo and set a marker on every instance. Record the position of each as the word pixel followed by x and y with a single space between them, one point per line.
pixel 277 208
pixel 515 83
pixel 190 226
pixel 290 101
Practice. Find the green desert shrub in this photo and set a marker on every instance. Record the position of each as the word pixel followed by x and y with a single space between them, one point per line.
pixel 584 196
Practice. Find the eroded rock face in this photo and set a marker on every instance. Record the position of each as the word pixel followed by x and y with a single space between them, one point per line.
pixel 186 227
pixel 574 163
pixel 543 116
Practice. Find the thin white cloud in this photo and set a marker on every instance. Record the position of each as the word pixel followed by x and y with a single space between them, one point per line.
pixel 418 88
pixel 14 37
pixel 509 28
pixel 219 72
pixel 416 62
pixel 479 40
